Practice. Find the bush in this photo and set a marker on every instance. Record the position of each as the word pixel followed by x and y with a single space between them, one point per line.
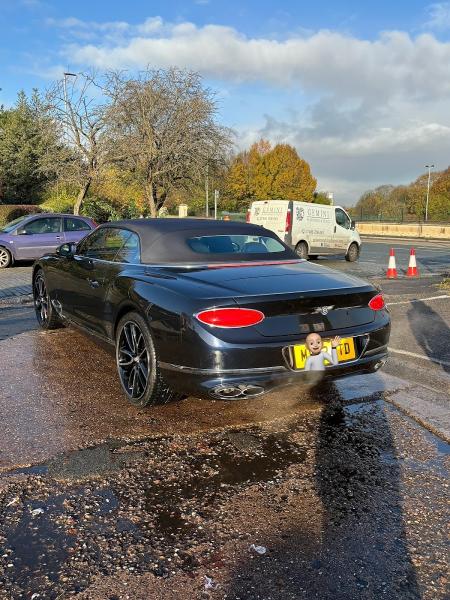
pixel 102 210
pixel 62 202
pixel 9 212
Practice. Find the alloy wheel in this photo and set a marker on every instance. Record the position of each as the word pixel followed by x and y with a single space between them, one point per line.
pixel 41 299
pixel 133 360
pixel 4 258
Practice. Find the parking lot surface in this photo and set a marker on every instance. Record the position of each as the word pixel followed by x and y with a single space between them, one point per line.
pixel 15 282
pixel 433 257
pixel 330 492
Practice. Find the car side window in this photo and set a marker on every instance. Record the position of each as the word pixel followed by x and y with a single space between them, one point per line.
pixel 42 226
pixel 342 218
pixel 130 251
pixel 73 224
pixel 105 243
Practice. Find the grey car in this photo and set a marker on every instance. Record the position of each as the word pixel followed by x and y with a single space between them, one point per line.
pixel 30 237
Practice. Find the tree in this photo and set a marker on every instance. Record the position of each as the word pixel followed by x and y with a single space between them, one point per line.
pixel 76 104
pixel 439 201
pixel 162 127
pixel 283 174
pixel 26 139
pixel 242 173
pixel 268 173
pixel 374 201
pixel 321 198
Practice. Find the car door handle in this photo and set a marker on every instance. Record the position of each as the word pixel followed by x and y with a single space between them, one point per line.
pixel 93 283
pixel 335 229
pixel 58 237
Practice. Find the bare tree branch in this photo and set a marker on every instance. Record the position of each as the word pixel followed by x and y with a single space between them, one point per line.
pixel 78 107
pixel 161 125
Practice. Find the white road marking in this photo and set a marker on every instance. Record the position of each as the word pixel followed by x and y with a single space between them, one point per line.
pixel 438 361
pixel 405 247
pixel 405 241
pixel 418 300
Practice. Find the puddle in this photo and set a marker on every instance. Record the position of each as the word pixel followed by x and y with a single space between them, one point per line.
pixel 34 470
pixel 222 469
pixel 45 547
pixel 37 546
pixel 173 521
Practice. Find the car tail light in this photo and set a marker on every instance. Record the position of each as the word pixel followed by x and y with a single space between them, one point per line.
pixel 247 218
pixel 94 223
pixel 377 302
pixel 230 317
pixel 288 221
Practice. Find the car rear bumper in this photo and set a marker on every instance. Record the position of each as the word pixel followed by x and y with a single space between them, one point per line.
pixel 235 383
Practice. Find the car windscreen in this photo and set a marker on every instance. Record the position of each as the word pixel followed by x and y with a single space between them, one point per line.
pixel 235 244
pixel 13 224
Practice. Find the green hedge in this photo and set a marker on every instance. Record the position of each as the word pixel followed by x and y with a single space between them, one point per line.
pixel 9 212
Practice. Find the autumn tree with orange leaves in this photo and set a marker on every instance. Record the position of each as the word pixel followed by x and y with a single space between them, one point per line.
pixel 266 173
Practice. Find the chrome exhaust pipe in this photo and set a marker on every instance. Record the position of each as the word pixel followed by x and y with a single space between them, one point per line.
pixel 236 392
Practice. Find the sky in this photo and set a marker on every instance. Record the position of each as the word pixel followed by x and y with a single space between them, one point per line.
pixel 361 89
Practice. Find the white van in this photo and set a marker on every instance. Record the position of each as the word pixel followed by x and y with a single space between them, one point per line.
pixel 311 229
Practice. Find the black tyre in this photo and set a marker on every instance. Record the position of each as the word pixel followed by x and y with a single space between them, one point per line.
pixel 137 363
pixel 313 256
pixel 302 250
pixel 45 312
pixel 352 253
pixel 5 258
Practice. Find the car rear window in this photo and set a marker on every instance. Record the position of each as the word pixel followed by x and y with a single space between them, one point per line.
pixel 73 224
pixel 235 244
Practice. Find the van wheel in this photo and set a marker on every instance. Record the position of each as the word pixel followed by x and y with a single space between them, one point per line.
pixel 352 253
pixel 302 250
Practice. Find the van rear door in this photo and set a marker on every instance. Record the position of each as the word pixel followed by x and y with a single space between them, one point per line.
pixel 273 215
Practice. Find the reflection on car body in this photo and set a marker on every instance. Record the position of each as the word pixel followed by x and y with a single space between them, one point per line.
pixel 211 308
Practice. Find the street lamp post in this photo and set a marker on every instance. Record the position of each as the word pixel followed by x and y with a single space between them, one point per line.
pixel 66 75
pixel 429 167
pixel 207 191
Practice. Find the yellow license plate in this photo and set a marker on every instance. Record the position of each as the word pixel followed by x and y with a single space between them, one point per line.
pixel 345 351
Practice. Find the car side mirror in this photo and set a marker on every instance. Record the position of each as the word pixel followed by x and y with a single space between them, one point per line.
pixel 66 250
pixel 353 224
pixel 21 232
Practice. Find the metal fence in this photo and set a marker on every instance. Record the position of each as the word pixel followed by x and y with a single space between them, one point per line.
pixel 401 216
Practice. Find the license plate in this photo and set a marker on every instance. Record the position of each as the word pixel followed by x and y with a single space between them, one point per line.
pixel 345 351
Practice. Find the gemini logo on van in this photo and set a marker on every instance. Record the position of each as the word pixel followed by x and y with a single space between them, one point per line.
pixel 300 213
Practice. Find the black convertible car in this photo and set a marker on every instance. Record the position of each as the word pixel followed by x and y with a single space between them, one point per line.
pixel 211 308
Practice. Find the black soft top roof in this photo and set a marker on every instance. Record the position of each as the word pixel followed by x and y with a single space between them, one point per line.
pixel 164 240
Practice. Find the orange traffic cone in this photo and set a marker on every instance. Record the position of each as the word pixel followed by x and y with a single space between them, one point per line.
pixel 392 269
pixel 412 267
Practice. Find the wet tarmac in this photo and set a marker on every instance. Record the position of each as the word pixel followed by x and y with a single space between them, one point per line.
pixel 100 500
pixel 344 501
pixel 60 391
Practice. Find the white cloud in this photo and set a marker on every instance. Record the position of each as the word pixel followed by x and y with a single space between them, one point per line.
pixel 439 16
pixel 325 61
pixel 74 24
pixel 378 109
